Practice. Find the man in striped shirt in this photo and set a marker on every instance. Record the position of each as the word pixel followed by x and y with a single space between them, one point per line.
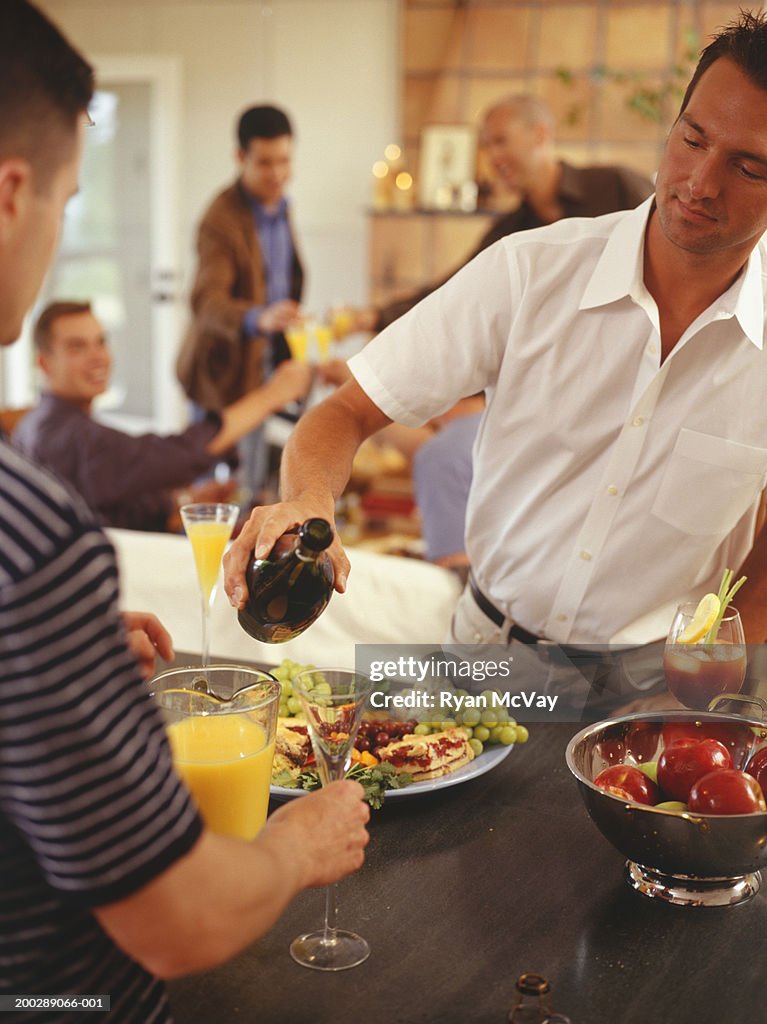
pixel 100 844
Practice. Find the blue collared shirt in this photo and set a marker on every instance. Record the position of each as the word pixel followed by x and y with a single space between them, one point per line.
pixel 277 248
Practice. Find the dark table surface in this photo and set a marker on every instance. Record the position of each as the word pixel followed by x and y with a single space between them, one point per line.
pixel 467 888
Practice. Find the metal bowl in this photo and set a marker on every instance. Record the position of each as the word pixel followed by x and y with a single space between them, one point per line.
pixel 676 856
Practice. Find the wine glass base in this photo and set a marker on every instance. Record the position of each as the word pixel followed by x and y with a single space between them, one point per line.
pixel 314 950
pixel 690 891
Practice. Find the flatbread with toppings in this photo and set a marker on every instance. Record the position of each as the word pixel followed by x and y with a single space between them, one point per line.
pixel 292 747
pixel 429 757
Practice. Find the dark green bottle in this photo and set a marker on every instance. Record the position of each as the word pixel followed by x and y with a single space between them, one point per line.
pixel 291 587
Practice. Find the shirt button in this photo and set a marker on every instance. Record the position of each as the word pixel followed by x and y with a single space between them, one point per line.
pixel 561 617
pixel 637 421
pixel 477 636
pixel 586 555
pixel 652 349
pixel 612 489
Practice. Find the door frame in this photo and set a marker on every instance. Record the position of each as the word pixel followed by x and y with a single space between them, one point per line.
pixel 164 75
pixel 17 369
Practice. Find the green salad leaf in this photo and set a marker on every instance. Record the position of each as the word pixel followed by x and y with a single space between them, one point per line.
pixel 374 779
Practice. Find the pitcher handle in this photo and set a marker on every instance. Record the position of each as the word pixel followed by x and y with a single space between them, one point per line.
pixel 745 698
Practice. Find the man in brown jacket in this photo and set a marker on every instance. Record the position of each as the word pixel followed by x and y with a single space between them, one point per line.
pixel 249 278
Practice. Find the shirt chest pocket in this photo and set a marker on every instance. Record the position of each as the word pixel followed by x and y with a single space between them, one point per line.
pixel 709 483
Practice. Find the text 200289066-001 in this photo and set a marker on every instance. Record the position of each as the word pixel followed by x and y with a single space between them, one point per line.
pixel 63 1002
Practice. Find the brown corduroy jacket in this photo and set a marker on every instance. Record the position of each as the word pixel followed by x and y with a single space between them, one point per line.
pixel 218 362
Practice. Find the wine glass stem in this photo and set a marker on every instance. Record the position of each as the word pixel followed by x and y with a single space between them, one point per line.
pixel 205 631
pixel 331 769
pixel 331 913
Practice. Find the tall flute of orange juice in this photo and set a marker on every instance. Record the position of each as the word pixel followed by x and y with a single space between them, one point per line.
pixel 208 527
pixel 222 742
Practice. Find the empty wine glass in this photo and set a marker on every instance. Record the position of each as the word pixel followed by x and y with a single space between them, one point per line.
pixel 698 672
pixel 333 701
pixel 208 527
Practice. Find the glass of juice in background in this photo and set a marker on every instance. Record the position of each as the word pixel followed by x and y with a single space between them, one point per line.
pixel 698 672
pixel 297 337
pixel 222 741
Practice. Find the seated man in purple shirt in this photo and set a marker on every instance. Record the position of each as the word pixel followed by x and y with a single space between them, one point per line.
pixel 127 480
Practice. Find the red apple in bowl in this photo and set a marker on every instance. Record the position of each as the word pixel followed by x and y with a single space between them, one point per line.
pixel 686 761
pixel 734 736
pixel 757 766
pixel 727 791
pixel 627 782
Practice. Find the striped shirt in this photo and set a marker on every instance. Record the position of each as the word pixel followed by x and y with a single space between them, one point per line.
pixel 90 809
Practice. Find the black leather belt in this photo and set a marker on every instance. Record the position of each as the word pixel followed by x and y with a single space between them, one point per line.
pixel 516 632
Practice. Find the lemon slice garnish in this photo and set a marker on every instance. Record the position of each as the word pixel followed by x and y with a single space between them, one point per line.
pixel 702 621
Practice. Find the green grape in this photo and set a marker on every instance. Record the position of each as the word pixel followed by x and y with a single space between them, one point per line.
pixel 522 734
pixel 323 688
pixel 489 718
pixel 422 729
pixel 481 733
pixel 294 705
pixel 448 723
pixel 287 688
pixel 495 733
pixel 476 746
pixel 469 732
pixel 471 717
pixel 508 736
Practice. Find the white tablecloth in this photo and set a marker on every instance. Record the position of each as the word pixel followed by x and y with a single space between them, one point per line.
pixel 388 600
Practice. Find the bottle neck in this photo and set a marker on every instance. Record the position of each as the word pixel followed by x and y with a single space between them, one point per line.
pixel 305 555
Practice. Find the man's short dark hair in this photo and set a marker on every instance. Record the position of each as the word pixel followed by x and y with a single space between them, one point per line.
pixel 45 86
pixel 262 122
pixel 744 42
pixel 41 333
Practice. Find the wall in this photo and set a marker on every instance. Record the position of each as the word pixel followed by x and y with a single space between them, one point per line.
pixel 586 59
pixel 332 63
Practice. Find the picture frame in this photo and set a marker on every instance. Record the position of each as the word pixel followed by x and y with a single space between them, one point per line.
pixel 447 165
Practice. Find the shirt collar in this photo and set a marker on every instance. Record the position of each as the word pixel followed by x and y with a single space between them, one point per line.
pixel 746 298
pixel 619 273
pixel 260 211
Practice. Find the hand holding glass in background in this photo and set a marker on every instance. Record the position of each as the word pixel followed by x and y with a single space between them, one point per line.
pixel 309 338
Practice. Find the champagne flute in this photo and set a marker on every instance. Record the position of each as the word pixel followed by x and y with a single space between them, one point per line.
pixel 297 337
pixel 208 527
pixel 333 701
pixel 698 672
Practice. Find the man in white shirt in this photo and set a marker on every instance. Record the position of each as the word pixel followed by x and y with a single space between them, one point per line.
pixel 623 452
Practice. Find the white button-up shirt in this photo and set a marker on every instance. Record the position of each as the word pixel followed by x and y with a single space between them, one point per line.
pixel 607 488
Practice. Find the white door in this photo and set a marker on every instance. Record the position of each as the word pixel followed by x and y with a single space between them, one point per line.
pixel 119 246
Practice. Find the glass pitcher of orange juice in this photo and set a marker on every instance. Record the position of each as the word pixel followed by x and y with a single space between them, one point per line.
pixel 222 739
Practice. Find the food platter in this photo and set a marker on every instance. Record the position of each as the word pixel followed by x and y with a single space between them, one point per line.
pixel 486 761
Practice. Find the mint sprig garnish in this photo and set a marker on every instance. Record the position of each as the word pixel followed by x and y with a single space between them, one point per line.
pixel 727 590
